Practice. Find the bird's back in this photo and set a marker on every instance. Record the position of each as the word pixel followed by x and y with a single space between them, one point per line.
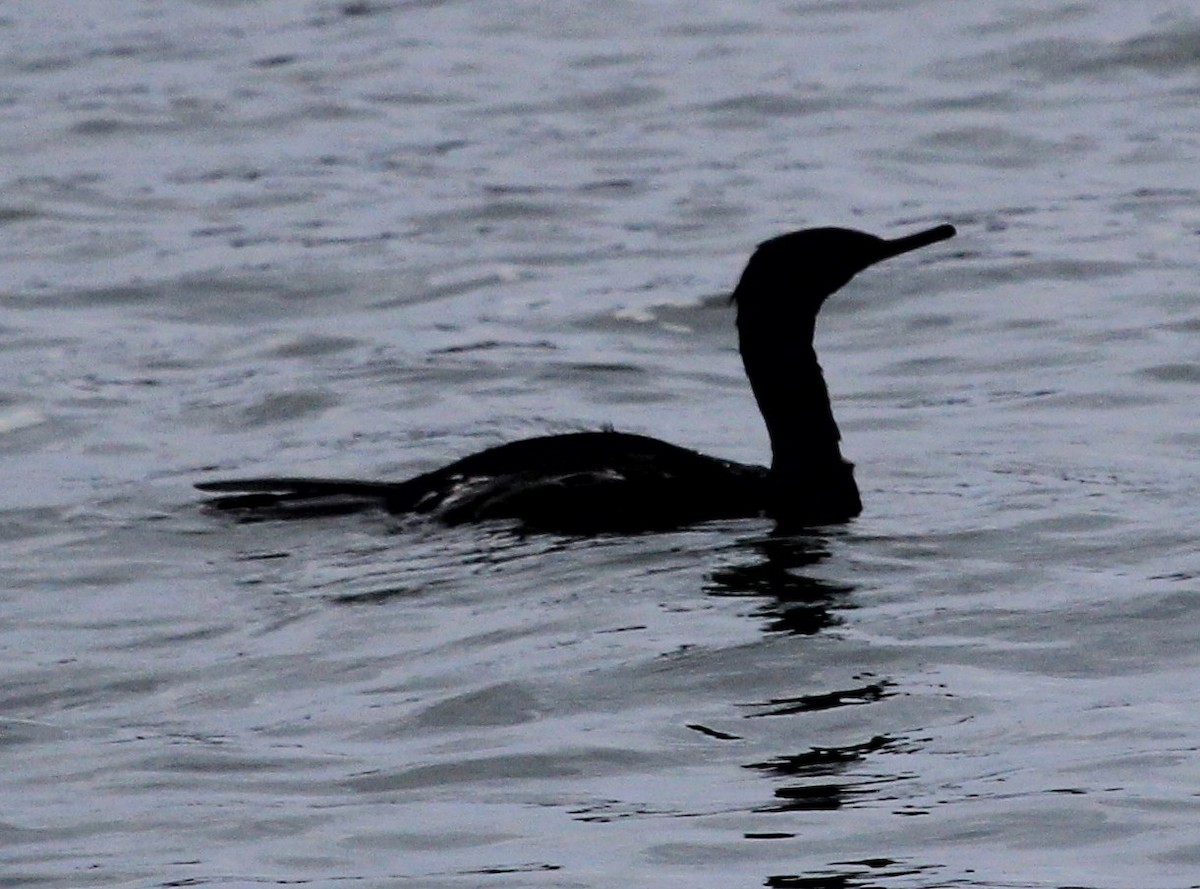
pixel 578 482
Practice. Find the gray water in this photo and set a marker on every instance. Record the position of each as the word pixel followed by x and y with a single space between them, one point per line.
pixel 362 238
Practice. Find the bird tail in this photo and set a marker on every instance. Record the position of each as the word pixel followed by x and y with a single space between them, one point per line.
pixel 262 498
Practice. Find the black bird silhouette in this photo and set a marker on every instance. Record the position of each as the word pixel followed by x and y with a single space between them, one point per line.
pixel 590 482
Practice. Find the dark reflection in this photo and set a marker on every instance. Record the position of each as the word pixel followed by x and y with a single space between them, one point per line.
pixel 864 874
pixel 828 796
pixel 826 700
pixel 810 798
pixel 833 881
pixel 712 732
pixel 777 569
pixel 822 761
pixel 850 875
pixel 375 597
pixel 797 603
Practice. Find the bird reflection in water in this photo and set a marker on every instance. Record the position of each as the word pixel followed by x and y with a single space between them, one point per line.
pixel 794 603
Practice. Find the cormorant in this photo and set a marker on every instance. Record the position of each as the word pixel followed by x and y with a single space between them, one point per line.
pixel 588 482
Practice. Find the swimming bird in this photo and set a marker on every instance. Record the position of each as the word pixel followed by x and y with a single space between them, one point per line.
pixel 589 482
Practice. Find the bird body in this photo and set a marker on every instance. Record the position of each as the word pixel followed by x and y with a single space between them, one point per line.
pixel 589 482
pixel 581 482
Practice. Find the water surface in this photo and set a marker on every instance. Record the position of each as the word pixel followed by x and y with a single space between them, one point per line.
pixel 364 238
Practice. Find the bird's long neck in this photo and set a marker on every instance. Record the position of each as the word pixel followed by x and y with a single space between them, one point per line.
pixel 781 364
pixel 810 480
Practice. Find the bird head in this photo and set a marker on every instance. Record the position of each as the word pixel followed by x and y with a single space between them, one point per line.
pixel 804 267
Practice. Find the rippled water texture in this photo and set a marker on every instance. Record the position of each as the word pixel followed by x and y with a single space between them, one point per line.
pixel 360 238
